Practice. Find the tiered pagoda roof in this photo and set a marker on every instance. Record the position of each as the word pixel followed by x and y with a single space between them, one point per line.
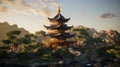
pixel 63 35
pixel 59 17
pixel 65 27
pixel 62 29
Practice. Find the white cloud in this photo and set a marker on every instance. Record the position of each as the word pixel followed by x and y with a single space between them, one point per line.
pixel 37 7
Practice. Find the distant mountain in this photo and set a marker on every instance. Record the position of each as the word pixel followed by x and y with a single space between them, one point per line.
pixel 5 27
pixel 108 37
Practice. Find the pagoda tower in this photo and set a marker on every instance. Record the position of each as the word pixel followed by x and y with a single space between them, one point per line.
pixel 58 31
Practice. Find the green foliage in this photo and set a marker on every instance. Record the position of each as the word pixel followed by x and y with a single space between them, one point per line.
pixel 114 50
pixel 111 51
pixel 47 58
pixel 12 39
pixel 38 33
pixel 6 41
pixel 4 52
pixel 29 36
pixel 27 50
pixel 61 53
pixel 102 52
pixel 24 40
pixel 14 32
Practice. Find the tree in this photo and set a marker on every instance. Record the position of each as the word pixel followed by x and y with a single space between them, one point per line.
pixel 40 33
pixel 12 39
pixel 85 41
pixel 39 37
pixel 110 51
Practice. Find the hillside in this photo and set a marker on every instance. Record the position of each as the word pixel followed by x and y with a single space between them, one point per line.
pixel 5 27
pixel 110 37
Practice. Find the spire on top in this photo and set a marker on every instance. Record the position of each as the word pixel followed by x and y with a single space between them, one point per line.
pixel 59 10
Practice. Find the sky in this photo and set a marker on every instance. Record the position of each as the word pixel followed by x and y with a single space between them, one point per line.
pixel 32 14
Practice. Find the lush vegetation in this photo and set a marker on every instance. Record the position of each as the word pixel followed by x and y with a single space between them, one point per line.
pixel 97 46
pixel 30 49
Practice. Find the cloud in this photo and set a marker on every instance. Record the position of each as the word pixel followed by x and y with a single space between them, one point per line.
pixel 37 7
pixel 3 9
pixel 107 16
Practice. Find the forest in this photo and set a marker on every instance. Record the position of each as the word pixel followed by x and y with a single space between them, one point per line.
pixel 30 49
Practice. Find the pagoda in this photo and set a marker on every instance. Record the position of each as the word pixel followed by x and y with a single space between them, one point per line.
pixel 58 31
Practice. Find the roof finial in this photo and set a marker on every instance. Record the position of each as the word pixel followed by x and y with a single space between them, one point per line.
pixel 59 10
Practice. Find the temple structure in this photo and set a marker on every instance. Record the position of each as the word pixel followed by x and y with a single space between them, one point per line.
pixel 58 31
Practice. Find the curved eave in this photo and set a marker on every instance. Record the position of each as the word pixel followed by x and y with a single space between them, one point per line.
pixel 57 27
pixel 53 35
pixel 63 35
pixel 52 27
pixel 67 27
pixel 65 20
pixel 58 19
pixel 59 16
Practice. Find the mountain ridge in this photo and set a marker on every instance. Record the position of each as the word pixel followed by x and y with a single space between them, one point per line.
pixel 6 27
